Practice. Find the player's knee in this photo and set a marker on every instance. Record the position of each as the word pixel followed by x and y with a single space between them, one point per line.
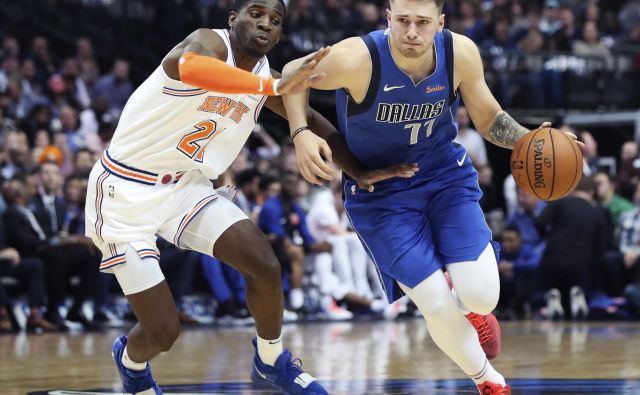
pixel 480 298
pixel 166 334
pixel 267 269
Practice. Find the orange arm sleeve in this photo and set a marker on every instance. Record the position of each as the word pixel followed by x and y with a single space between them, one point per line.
pixel 215 75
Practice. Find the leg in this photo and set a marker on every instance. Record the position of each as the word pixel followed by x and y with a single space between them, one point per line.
pixel 261 270
pixel 477 283
pixel 450 330
pixel 148 294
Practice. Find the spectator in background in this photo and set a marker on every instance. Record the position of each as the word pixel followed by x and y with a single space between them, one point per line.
pixel 30 86
pixel 29 273
pixel 606 196
pixel 629 170
pixel 284 222
pixel 469 23
pixel 470 139
pixel 518 272
pixel 528 209
pixel 75 84
pixel 62 256
pixel 16 147
pixel 59 96
pixel 40 55
pixel 115 86
pixel 6 124
pixel 83 161
pixel 89 71
pixel 590 152
pixel 630 239
pixel 40 118
pixel 550 22
pixel 591 46
pixel 248 184
pixel 562 40
pixel 576 238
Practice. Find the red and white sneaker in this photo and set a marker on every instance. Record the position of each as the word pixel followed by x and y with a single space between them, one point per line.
pixel 488 388
pixel 487 328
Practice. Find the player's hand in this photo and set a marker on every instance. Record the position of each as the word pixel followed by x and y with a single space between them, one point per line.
pixel 569 134
pixel 370 177
pixel 300 79
pixel 310 150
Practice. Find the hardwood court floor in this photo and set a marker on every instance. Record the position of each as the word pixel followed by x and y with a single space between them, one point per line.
pixel 350 358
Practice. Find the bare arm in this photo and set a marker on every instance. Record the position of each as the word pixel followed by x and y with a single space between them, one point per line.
pixel 323 141
pixel 330 142
pixel 491 121
pixel 347 66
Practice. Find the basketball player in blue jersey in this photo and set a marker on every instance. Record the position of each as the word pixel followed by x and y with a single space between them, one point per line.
pixel 397 95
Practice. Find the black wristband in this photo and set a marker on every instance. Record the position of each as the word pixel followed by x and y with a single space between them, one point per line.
pixel 298 131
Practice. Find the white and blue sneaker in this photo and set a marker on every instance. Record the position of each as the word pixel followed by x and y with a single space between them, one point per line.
pixel 286 375
pixel 133 381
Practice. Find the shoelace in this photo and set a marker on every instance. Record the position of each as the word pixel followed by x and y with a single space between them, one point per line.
pixel 482 327
pixel 295 365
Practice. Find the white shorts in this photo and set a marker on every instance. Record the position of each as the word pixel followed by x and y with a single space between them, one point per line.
pixel 120 212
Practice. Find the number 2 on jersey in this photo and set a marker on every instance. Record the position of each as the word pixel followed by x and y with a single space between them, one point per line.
pixel 415 129
pixel 194 143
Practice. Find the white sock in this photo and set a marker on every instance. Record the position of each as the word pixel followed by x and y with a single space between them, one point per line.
pixel 269 350
pixel 129 364
pixel 377 305
pixel 296 298
pixel 488 373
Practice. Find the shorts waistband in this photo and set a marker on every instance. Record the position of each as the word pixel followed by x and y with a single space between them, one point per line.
pixel 130 173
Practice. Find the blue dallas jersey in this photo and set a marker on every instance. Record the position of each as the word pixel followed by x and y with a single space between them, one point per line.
pixel 412 227
pixel 400 121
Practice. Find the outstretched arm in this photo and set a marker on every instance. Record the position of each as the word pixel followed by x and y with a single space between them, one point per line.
pixel 200 60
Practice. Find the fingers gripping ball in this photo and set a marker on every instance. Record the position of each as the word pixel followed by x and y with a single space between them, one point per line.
pixel 546 164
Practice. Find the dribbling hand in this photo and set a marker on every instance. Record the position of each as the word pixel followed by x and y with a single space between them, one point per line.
pixel 569 134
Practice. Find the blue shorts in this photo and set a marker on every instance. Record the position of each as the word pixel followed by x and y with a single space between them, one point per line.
pixel 413 227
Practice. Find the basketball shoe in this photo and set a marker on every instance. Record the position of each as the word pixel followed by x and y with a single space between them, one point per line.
pixel 487 327
pixel 286 375
pixel 133 381
pixel 488 388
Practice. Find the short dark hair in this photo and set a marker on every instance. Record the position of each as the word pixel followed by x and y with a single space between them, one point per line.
pixel 439 3
pixel 238 4
pixel 246 177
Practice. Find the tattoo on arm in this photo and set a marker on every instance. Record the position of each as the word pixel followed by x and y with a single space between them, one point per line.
pixel 505 131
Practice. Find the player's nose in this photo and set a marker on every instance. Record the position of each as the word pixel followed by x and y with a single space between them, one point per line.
pixel 264 24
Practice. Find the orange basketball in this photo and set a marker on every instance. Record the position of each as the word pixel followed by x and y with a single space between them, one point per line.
pixel 546 164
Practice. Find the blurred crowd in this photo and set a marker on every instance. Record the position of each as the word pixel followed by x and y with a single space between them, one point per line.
pixel 578 257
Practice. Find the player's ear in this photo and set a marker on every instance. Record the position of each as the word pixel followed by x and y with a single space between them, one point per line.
pixel 388 18
pixel 233 16
pixel 441 21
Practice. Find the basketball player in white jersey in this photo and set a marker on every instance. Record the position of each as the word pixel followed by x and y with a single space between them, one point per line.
pixel 182 127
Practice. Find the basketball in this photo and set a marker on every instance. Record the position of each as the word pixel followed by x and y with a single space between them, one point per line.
pixel 546 164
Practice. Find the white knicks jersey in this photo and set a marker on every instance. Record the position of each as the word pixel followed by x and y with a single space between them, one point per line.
pixel 169 126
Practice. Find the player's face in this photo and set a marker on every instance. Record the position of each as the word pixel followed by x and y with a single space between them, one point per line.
pixel 258 26
pixel 414 24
